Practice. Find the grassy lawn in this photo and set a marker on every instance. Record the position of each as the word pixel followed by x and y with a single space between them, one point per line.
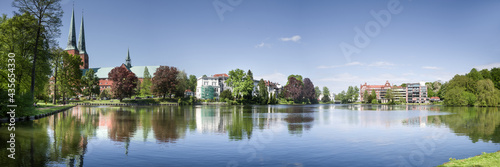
pixel 49 109
pixel 486 159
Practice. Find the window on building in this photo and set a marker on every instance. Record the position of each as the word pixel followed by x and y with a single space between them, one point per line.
pixel 205 83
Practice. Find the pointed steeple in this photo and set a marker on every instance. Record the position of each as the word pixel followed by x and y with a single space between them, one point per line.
pixel 72 34
pixel 127 61
pixel 81 39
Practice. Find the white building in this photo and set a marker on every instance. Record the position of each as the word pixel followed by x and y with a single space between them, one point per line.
pixel 217 82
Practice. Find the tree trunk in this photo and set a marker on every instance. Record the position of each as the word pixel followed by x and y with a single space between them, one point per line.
pixel 54 101
pixel 34 60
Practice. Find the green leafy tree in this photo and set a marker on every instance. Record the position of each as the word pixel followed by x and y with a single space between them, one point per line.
pixel 349 95
pixel 146 83
pixel 48 15
pixel 17 36
pixel 90 83
pixel 241 84
pixel 262 95
pixel 485 73
pixel 105 93
pixel 455 97
pixel 70 75
pixel 488 95
pixel 192 82
pixel 356 94
pixel 182 84
pixel 495 77
pixel 403 85
pixel 226 94
pixel 318 91
pixel 373 96
pixel 248 81
pixel 344 98
pixel 326 95
pixel 474 75
pixel 366 97
pixel 389 95
pixel 57 55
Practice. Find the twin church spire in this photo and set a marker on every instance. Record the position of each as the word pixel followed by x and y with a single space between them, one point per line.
pixel 81 39
pixel 80 49
pixel 72 36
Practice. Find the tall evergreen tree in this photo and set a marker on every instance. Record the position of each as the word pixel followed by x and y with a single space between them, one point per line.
pixel 146 83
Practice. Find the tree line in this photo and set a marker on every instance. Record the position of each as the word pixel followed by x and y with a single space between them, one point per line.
pixel 476 88
pixel 30 34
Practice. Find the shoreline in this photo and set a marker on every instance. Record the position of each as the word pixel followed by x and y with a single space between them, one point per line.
pixel 44 113
pixel 485 159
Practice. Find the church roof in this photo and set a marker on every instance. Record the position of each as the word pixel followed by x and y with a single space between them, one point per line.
pixel 102 72
pixel 72 33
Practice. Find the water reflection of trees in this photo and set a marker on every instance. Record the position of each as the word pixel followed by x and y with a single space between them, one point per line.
pixel 479 123
pixel 168 124
pixel 299 119
pixel 241 125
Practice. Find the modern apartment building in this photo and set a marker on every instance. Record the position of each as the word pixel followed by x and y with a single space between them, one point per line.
pixel 413 93
pixel 416 93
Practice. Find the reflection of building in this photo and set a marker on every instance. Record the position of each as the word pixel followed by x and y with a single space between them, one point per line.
pixel 421 121
pixel 211 120
pixel 413 93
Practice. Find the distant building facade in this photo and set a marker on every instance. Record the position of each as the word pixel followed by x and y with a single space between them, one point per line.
pixel 416 93
pixel 413 93
pixel 210 87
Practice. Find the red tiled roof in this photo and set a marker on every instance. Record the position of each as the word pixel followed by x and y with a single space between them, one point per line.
pixel 435 98
pixel 188 90
pixel 220 75
pixel 375 86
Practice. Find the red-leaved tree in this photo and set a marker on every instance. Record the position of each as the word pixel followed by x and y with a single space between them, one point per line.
pixel 124 82
pixel 294 89
pixel 308 91
pixel 164 81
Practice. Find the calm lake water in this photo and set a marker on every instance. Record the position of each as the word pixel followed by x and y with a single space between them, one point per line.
pixel 311 135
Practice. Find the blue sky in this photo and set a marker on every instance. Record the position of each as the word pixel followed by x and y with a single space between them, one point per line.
pixel 424 41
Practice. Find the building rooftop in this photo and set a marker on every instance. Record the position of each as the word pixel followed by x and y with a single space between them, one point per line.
pixel 102 72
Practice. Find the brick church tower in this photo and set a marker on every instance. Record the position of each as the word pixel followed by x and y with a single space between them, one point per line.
pixel 72 47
